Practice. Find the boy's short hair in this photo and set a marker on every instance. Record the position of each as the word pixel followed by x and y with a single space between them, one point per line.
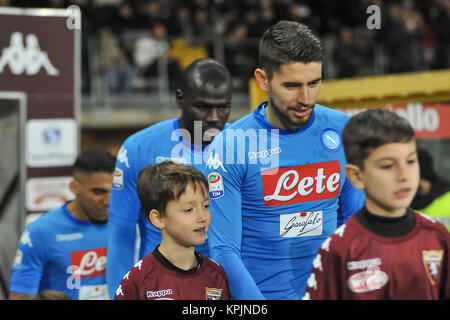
pixel 158 184
pixel 94 160
pixel 370 129
pixel 288 41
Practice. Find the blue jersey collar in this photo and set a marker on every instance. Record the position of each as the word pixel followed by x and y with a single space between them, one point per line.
pixel 70 215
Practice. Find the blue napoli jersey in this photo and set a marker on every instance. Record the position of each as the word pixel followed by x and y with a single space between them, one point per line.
pixel 60 252
pixel 159 142
pixel 276 195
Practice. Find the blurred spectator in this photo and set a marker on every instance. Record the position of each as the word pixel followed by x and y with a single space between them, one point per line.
pixel 414 35
pixel 402 36
pixel 150 47
pixel 347 55
pixel 181 24
pixel 267 14
pixel 124 19
pixel 239 57
pixel 90 20
pixel 251 20
pixel 202 26
pixel 433 195
pixel 185 50
pixel 115 67
pixel 441 29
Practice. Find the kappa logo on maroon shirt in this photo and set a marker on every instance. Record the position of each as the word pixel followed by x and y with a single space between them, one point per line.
pixel 91 262
pixel 310 182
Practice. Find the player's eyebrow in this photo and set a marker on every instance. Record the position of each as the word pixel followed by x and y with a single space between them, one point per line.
pixel 295 83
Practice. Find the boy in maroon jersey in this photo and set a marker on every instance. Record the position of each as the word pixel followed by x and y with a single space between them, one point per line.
pixel 385 251
pixel 176 200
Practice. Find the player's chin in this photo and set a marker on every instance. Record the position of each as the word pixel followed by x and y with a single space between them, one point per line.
pixel 98 221
pixel 99 217
pixel 199 237
pixel 209 134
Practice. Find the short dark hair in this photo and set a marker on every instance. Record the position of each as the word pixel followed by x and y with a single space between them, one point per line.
pixel 426 165
pixel 370 129
pixel 94 160
pixel 205 70
pixel 160 183
pixel 288 41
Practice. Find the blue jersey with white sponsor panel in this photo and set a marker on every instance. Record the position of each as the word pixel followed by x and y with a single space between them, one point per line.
pixel 276 195
pixel 159 142
pixel 60 252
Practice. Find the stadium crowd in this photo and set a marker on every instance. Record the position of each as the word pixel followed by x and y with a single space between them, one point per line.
pixel 129 37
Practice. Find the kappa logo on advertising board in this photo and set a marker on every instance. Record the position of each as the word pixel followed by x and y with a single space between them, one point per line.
pixel 28 59
pixel 310 182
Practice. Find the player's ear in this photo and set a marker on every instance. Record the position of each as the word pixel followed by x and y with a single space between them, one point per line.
pixel 354 174
pixel 179 96
pixel 156 219
pixel 261 78
pixel 74 186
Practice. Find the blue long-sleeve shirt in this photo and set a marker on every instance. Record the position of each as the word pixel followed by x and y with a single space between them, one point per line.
pixel 276 195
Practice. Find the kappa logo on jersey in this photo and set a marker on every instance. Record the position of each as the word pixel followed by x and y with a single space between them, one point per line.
pixel 118 179
pixel 27 59
pixel 214 162
pixel 264 153
pixel 432 260
pixel 158 295
pixel 123 157
pixel 215 183
pixel 310 182
pixel 90 263
pixel 25 239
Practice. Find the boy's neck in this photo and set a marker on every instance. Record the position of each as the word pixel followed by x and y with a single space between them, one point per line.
pixel 384 212
pixel 386 226
pixel 181 257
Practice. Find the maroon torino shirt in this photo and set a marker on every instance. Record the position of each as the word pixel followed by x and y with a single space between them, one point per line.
pixel 367 258
pixel 156 278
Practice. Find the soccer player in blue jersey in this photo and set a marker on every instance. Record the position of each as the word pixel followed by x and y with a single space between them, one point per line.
pixel 64 250
pixel 205 102
pixel 278 187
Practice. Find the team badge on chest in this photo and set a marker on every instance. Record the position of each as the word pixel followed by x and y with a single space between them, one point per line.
pixel 432 260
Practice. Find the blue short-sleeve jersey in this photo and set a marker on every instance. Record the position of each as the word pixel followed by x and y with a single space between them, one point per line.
pixel 276 195
pixel 60 252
